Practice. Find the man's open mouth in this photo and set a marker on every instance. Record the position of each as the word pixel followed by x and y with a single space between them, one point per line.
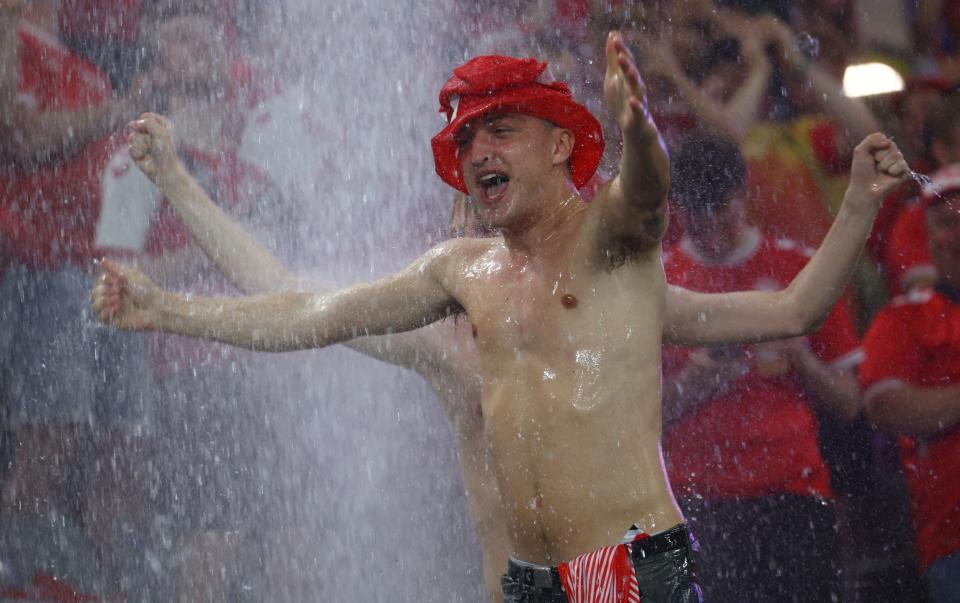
pixel 493 185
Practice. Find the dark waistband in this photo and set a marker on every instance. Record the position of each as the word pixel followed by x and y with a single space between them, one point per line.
pixel 676 538
pixel 536 577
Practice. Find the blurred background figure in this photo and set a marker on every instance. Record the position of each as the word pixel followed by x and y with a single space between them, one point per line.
pixel 912 380
pixel 741 427
pixel 57 113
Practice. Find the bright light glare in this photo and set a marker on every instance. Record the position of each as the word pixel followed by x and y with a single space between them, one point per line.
pixel 871 78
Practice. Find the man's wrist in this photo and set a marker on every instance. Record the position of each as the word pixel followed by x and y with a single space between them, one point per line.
pixel 173 181
pixel 861 204
pixel 170 309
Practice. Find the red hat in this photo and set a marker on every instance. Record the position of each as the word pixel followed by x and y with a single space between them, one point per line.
pixel 944 181
pixel 488 83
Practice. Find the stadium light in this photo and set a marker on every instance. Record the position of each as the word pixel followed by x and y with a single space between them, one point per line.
pixel 868 79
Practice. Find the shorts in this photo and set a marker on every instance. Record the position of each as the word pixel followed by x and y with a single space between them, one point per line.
pixel 658 568
pixel 58 365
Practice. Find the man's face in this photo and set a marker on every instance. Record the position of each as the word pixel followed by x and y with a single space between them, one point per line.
pixel 191 53
pixel 943 230
pixel 506 160
pixel 716 231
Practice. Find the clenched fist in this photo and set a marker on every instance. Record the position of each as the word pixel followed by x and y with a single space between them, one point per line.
pixel 125 298
pixel 878 168
pixel 152 148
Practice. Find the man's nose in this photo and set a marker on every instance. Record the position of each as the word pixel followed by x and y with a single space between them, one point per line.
pixel 481 150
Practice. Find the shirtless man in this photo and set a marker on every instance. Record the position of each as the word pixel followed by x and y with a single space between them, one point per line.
pixel 569 309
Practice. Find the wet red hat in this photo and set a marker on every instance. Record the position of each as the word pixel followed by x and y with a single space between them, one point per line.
pixel 489 83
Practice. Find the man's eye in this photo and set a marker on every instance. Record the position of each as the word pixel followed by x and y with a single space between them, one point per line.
pixel 501 130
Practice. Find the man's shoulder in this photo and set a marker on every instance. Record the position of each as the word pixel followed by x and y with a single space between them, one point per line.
pixel 465 252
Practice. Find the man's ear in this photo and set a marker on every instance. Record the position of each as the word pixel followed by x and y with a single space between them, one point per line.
pixel 563 140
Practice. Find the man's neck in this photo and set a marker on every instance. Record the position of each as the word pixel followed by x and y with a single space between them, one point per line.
pixel 548 225
pixel 729 252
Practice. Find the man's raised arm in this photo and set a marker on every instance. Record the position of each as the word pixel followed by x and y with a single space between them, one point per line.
pixel 751 316
pixel 635 201
pixel 244 261
pixel 416 296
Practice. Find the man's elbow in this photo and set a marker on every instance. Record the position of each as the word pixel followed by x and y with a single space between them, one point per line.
pixel 800 318
pixel 799 322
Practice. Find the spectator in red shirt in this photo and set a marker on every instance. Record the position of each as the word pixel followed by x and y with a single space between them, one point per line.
pixel 57 112
pixel 741 434
pixel 911 374
pixel 905 259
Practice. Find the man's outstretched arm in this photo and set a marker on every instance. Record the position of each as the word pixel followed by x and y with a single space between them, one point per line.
pixel 412 298
pixel 635 201
pixel 247 264
pixel 244 261
pixel 751 316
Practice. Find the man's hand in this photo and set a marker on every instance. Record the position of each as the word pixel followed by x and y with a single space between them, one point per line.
pixel 125 298
pixel 774 31
pixel 776 358
pixel 152 148
pixel 878 168
pixel 714 370
pixel 625 92
pixel 657 56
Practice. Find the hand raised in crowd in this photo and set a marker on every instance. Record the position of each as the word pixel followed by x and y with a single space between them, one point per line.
pixel 712 371
pixel 125 298
pixel 657 55
pixel 774 31
pixel 775 358
pixel 152 147
pixel 878 168
pixel 753 47
pixel 624 90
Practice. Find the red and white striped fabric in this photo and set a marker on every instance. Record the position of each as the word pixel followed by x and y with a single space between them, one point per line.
pixel 603 576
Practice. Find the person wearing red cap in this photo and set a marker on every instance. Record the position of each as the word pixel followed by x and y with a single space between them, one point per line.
pixel 911 374
pixel 569 306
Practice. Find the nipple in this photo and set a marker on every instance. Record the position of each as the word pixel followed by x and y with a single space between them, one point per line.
pixel 568 301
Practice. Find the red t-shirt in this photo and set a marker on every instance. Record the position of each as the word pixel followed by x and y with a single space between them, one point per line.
pixel 48 212
pixel 915 340
pixel 760 437
pixel 907 251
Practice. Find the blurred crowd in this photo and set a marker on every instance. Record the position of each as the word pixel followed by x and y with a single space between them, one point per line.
pixel 815 469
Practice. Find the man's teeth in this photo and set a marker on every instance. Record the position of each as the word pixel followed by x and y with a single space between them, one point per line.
pixel 492 179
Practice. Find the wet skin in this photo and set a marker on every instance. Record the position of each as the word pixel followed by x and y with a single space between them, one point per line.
pixel 571 395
